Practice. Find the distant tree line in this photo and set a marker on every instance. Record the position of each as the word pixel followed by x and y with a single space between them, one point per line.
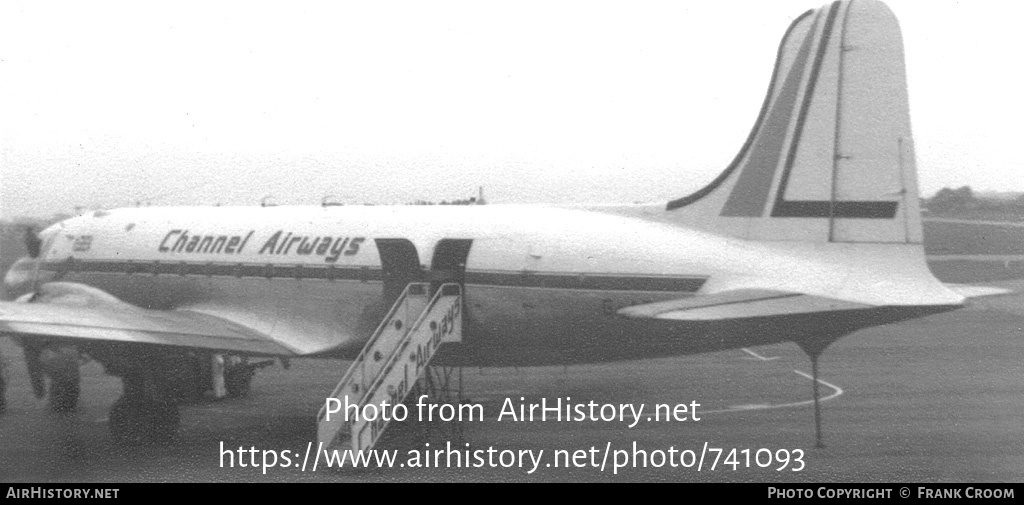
pixel 964 200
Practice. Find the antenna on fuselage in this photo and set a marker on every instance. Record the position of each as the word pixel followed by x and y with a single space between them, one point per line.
pixel 266 201
pixel 147 201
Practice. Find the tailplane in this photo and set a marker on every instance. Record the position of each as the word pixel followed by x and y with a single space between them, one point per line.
pixel 831 157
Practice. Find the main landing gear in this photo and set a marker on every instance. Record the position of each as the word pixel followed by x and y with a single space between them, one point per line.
pixel 238 375
pixel 157 381
pixel 59 364
pixel 142 414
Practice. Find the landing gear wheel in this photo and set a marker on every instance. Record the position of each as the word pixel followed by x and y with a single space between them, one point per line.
pixel 64 395
pixel 61 365
pixel 238 379
pixel 139 421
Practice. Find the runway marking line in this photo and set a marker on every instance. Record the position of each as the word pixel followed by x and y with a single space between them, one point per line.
pixel 836 392
pixel 1009 224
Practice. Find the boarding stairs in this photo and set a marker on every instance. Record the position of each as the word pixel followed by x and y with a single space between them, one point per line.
pixel 393 359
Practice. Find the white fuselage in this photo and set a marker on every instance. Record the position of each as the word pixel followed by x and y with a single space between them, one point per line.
pixel 542 284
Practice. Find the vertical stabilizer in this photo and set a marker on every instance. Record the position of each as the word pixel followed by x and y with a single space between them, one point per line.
pixel 831 157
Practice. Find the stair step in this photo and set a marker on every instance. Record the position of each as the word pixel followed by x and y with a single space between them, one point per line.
pixel 394 358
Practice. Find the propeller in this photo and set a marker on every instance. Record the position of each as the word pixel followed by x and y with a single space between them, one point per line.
pixel 36 371
pixel 21 276
pixel 33 244
pixel 27 267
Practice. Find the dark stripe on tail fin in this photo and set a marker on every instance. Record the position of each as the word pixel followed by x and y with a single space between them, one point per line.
pixel 830 158
pixel 701 193
pixel 858 210
pixel 750 194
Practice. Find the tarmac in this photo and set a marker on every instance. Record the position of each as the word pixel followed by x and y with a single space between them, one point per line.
pixel 935 399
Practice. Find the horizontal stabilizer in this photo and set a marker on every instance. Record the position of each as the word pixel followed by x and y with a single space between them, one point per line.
pixel 969 291
pixel 737 304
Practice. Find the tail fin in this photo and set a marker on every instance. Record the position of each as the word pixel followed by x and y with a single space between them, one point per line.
pixel 830 158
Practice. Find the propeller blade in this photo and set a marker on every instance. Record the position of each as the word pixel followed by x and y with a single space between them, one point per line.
pixel 33 244
pixel 36 373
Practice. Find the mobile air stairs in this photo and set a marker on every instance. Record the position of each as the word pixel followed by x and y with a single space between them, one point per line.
pixel 395 357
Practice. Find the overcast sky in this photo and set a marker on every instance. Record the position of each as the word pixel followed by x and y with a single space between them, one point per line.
pixel 105 104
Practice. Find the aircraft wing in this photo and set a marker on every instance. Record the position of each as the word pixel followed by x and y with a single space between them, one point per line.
pixel 121 322
pixel 986 298
pixel 737 304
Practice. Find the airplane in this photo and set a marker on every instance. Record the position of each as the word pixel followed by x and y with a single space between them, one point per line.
pixel 811 233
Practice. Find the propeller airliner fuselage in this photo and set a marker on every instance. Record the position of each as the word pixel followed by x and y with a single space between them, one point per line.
pixel 811 233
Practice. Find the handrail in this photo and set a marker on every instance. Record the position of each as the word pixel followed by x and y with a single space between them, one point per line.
pixel 450 289
pixel 361 358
